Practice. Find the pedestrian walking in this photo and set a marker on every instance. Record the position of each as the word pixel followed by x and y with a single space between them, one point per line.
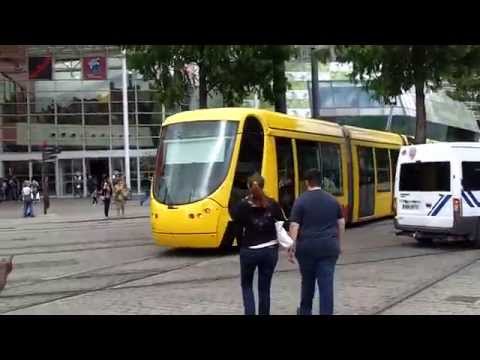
pixel 95 197
pixel 106 194
pixel 255 218
pixel 3 189
pixel 90 185
pixel 146 196
pixel 13 189
pixel 35 190
pixel 27 197
pixel 77 185
pixel 120 194
pixel 6 267
pixel 316 226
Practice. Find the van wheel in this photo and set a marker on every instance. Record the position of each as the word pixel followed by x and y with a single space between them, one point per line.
pixel 476 242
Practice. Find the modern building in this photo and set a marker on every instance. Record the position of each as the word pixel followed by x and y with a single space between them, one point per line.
pixel 71 96
pixel 347 103
pixel 64 102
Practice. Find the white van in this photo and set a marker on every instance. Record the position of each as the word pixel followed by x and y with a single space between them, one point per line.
pixel 437 191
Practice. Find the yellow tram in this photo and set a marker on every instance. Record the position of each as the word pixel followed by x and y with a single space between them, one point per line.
pixel 206 156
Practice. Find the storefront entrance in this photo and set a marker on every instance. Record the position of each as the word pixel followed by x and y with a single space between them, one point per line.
pixel 97 169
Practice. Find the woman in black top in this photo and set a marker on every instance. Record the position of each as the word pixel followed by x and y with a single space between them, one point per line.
pixel 255 218
pixel 106 194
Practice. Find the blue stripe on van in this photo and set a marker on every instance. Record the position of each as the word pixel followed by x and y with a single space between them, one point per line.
pixel 467 200
pixel 433 208
pixel 442 204
pixel 473 198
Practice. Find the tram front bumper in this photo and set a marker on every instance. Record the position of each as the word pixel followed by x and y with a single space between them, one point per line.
pixel 209 240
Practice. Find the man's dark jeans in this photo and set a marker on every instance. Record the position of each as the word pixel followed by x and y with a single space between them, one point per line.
pixel 321 270
pixel 266 260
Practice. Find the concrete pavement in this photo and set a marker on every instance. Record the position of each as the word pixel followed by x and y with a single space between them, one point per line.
pixel 113 267
pixel 65 210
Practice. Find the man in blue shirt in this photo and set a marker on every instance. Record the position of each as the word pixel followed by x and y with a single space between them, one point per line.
pixel 316 226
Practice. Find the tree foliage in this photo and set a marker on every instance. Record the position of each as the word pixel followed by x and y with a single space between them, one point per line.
pixel 232 70
pixel 467 89
pixel 390 70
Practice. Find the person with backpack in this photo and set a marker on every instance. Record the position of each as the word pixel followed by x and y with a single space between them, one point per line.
pixel 254 218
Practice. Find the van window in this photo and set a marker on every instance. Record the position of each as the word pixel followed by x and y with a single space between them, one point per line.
pixel 471 175
pixel 427 176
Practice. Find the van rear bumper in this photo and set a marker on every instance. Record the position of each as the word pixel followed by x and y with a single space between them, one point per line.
pixel 463 226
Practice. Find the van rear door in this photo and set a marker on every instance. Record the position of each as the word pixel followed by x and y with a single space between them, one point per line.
pixel 424 195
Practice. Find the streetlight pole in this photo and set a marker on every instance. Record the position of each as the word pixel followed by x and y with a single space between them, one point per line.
pixel 126 140
pixel 314 82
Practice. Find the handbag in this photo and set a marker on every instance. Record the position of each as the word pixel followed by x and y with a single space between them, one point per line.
pixel 282 236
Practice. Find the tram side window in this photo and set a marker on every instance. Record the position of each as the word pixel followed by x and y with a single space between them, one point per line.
pixel 322 156
pixel 286 177
pixel 308 154
pixel 383 170
pixel 331 161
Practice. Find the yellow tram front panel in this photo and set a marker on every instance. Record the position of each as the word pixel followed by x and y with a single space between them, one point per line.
pixel 202 223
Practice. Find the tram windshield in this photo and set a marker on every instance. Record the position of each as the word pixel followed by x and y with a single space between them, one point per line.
pixel 193 160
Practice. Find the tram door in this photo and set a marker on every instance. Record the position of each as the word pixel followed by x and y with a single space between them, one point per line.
pixel 366 182
pixel 250 159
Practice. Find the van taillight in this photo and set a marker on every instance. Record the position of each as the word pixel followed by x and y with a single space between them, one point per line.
pixel 457 205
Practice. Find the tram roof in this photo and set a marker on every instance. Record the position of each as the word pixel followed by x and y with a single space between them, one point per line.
pixel 279 121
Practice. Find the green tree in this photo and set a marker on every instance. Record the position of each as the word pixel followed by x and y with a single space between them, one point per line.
pixel 167 66
pixel 232 70
pixel 467 89
pixel 270 79
pixel 389 70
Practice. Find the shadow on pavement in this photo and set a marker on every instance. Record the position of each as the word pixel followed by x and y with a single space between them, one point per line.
pixel 199 252
pixel 441 245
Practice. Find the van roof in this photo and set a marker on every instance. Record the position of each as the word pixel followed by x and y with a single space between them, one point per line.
pixel 450 145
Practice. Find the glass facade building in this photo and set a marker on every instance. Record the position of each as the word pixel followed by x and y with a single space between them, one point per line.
pixel 83 117
pixel 351 104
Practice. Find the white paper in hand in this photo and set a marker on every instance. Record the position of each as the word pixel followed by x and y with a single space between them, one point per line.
pixel 282 236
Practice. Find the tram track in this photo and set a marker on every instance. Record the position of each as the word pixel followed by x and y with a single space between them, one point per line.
pixel 421 288
pixel 77 243
pixel 104 226
pixel 145 274
pixel 138 275
pixel 72 293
